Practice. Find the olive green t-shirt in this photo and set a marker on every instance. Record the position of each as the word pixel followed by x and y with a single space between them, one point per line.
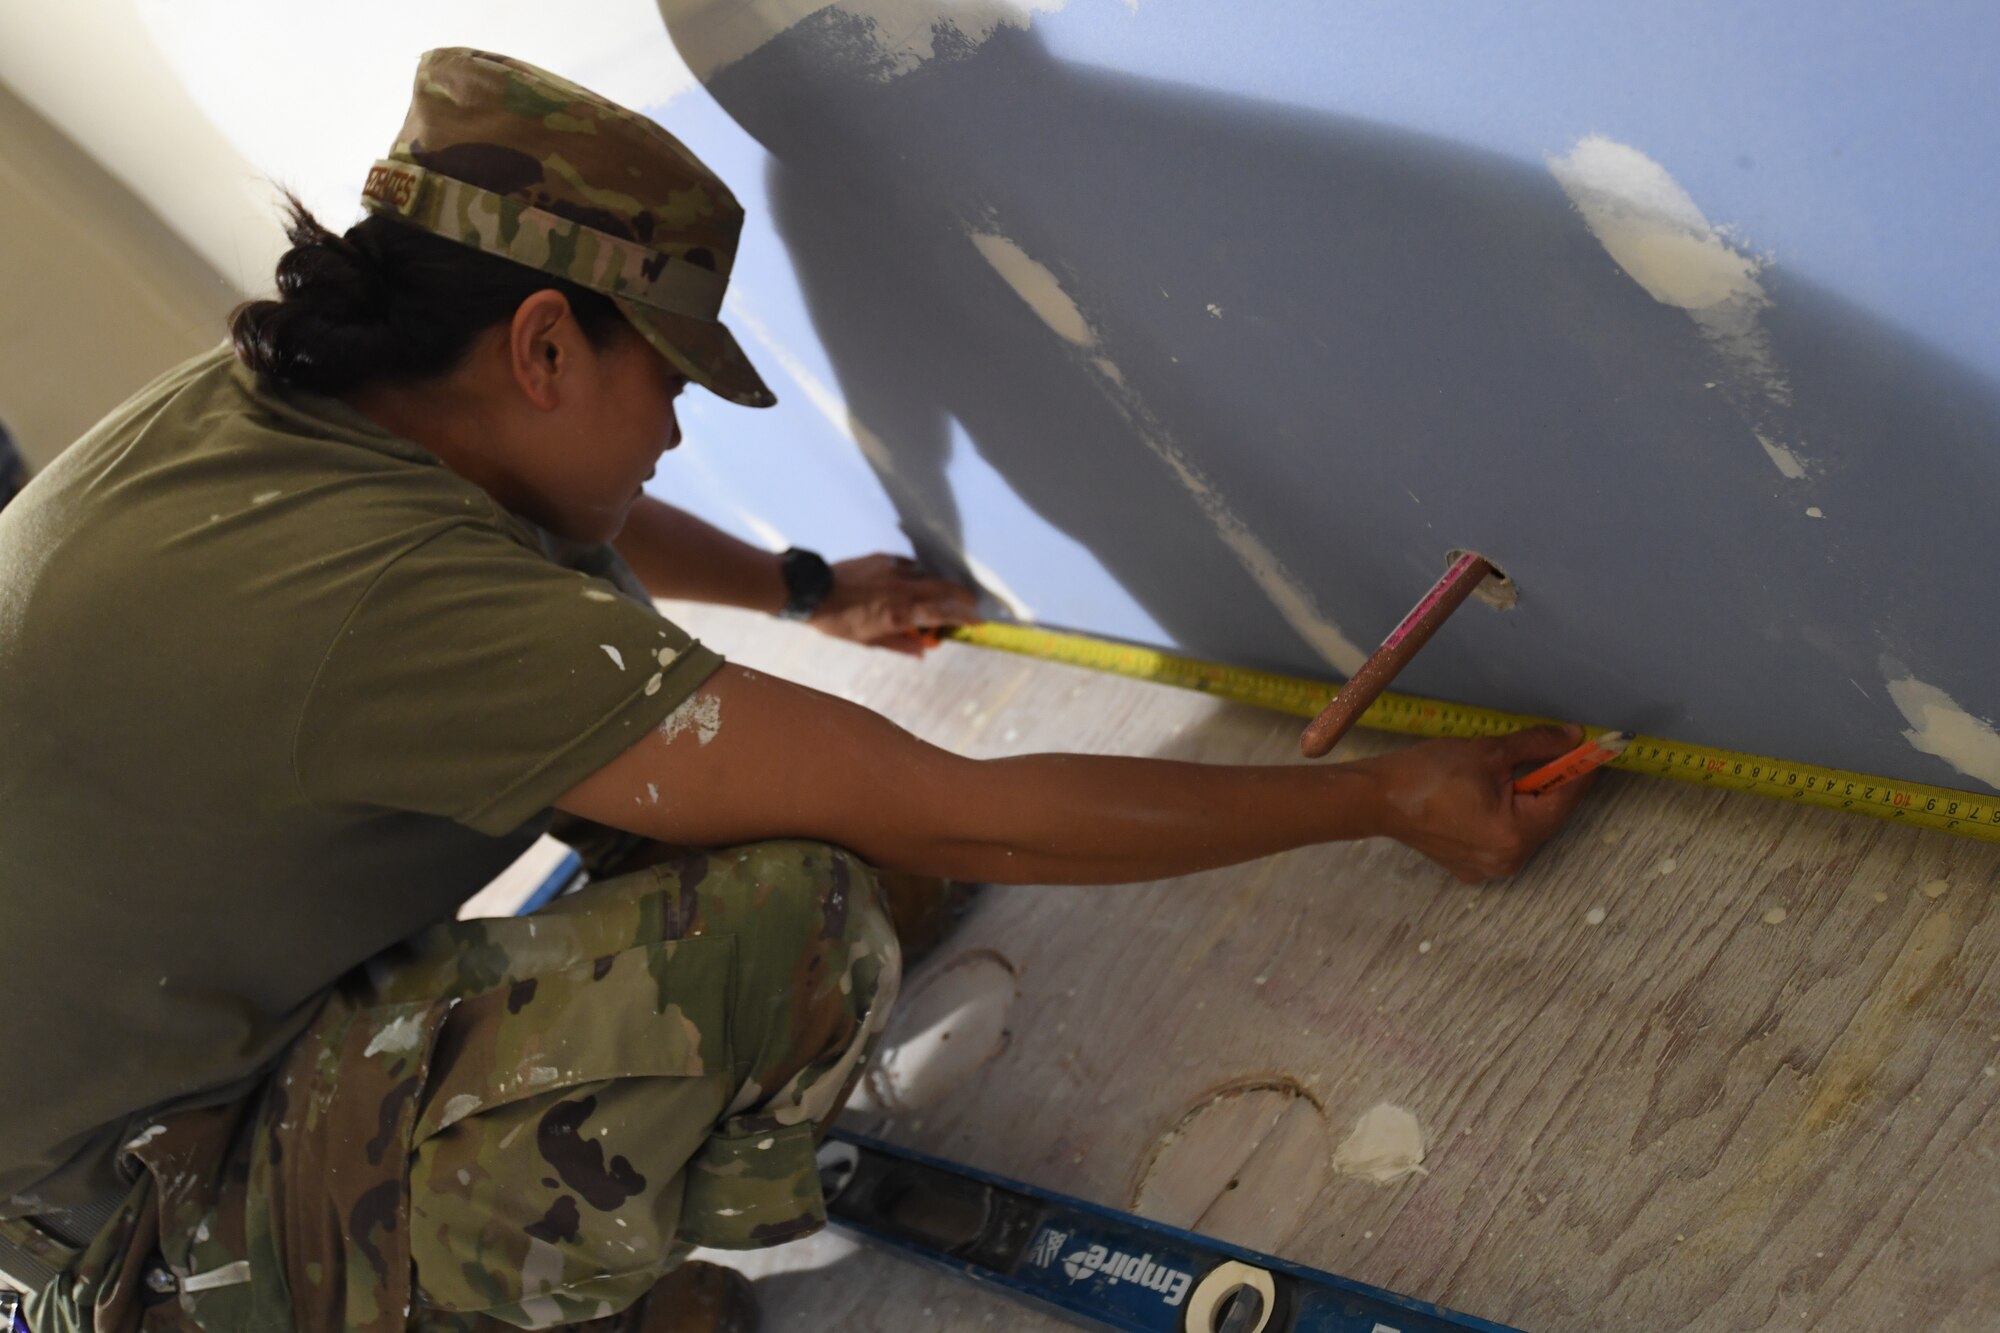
pixel 277 688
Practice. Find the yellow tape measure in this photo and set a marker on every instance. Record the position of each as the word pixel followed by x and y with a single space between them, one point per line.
pixel 1968 814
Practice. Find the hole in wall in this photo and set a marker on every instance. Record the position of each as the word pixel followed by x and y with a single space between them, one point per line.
pixel 1497 589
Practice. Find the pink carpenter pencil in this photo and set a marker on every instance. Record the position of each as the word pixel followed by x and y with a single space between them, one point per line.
pixel 1366 685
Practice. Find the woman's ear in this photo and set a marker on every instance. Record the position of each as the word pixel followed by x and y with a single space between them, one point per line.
pixel 542 346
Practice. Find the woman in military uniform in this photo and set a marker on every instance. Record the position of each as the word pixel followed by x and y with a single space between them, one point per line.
pixel 314 635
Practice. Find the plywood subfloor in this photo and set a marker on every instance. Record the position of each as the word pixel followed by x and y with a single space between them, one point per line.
pixel 1678 1115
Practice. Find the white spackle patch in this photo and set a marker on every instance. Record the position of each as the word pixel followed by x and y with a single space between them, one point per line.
pixel 1287 594
pixel 1784 459
pixel 1423 946
pixel 617 658
pixel 1652 228
pixel 265 497
pixel 400 1035
pixel 1937 888
pixel 599 595
pixel 1775 916
pixel 1037 286
pixel 1594 917
pixel 1938 726
pixel 1654 231
pixel 700 713
pixel 1214 311
pixel 1386 1145
pixel 1109 369
pixel 1667 866
pixel 653 685
pixel 1814 511
pixel 902 35
pixel 667 656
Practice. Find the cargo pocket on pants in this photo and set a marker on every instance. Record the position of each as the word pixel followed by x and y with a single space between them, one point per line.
pixel 753 1188
pixel 659 1010
pixel 549 1161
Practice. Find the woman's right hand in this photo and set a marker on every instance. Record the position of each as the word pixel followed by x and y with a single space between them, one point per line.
pixel 1454 800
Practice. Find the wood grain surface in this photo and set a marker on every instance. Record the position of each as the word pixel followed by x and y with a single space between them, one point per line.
pixel 1686 1115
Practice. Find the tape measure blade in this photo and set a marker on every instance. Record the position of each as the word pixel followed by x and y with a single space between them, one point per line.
pixel 1942 809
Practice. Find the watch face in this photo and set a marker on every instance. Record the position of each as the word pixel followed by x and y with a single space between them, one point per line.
pixel 808 579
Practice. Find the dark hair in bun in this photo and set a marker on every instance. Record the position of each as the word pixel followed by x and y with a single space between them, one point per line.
pixel 387 302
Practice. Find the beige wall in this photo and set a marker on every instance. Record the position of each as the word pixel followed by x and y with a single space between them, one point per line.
pixel 90 68
pixel 97 294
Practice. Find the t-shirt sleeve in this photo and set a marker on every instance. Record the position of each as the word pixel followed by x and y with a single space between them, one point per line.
pixel 477 681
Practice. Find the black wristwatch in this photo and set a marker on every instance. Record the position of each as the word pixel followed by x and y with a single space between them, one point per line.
pixel 808 579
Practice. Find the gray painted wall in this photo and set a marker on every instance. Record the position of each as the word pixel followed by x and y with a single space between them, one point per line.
pixel 1414 345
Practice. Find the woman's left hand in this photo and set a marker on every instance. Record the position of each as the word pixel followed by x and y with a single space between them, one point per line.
pixel 887 601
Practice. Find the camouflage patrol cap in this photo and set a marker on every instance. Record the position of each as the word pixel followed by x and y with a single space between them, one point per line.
pixel 512 160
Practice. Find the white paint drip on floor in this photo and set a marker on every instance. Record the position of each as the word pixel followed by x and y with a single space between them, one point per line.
pixel 1038 286
pixel 900 35
pixel 1655 232
pixel 1386 1144
pixel 1939 726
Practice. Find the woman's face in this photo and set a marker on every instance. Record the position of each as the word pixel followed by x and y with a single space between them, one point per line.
pixel 600 446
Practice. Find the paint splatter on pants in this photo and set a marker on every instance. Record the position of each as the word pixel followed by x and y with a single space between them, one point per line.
pixel 523 1122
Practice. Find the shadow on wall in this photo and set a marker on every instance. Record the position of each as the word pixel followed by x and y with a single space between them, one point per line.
pixel 1269 367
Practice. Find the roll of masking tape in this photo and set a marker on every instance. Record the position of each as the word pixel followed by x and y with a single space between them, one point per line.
pixel 1205 1302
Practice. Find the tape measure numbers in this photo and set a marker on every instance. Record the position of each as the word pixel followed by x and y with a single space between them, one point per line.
pixel 1942 809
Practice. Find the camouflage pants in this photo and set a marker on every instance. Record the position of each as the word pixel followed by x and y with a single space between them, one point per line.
pixel 523 1122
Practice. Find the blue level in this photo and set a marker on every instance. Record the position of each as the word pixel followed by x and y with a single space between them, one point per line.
pixel 559 881
pixel 1092 1265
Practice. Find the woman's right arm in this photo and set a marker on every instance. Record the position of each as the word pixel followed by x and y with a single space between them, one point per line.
pixel 751 757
